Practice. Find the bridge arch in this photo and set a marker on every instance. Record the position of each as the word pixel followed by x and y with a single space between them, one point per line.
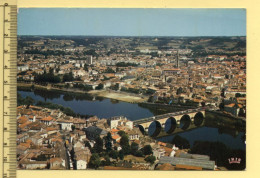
pixel 170 125
pixel 198 118
pixel 185 122
pixel 142 129
pixel 154 128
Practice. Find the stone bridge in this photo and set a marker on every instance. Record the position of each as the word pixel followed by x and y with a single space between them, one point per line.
pixel 170 121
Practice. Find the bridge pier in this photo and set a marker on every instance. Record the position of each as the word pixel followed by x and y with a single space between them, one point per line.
pixel 192 120
pixel 163 125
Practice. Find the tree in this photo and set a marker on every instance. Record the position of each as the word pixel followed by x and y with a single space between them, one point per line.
pixel 73 127
pixel 90 52
pixel 47 77
pixel 107 161
pixel 150 159
pixel 108 142
pixel 109 70
pixel 57 70
pixel 69 111
pixel 150 100
pixel 139 153
pixel 134 148
pixel 124 142
pixel 121 154
pixel 68 77
pixel 115 87
pixel 179 91
pixel 78 79
pixel 121 133
pixel 100 86
pixel 86 67
pixel 237 95
pixel 98 147
pixel 113 154
pixel 123 64
pixel 241 113
pixel 147 150
pixel 221 106
pixel 94 161
pixel 28 100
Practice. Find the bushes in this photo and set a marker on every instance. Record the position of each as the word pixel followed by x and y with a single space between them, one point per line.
pixel 47 78
pixel 150 159
pixel 82 87
pixel 65 110
pixel 94 161
pixel 147 150
pixel 100 86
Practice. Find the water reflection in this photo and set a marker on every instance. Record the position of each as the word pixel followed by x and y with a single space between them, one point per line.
pixel 89 105
pixel 67 97
pixel 232 137
pixel 47 94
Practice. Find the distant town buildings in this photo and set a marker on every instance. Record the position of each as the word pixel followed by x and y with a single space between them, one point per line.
pixel 202 72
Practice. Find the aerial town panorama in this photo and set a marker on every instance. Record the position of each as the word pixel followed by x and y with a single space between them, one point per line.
pixel 131 102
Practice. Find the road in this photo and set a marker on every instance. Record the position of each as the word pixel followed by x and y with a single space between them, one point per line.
pixel 64 152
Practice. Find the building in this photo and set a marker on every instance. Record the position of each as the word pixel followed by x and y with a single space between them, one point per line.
pixel 33 165
pixel 55 163
pixel 93 132
pixel 177 59
pixel 47 120
pixel 196 162
pixel 81 162
pixel 233 108
pixel 168 72
pixel 65 124
pixel 134 134
pixel 114 122
pixel 88 59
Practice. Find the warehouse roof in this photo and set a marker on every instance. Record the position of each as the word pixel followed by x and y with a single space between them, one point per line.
pixel 205 164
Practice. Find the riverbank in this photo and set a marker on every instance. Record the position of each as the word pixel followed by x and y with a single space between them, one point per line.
pixel 120 96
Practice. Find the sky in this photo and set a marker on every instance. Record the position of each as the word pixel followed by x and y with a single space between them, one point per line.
pixel 131 22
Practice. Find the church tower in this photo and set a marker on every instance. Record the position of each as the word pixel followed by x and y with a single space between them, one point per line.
pixel 177 59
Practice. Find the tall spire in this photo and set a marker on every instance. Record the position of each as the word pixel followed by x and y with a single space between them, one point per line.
pixel 177 60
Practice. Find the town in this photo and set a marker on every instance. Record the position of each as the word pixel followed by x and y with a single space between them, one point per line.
pixel 49 139
pixel 188 72
pixel 175 71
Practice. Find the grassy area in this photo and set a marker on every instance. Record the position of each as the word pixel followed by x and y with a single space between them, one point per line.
pixel 134 159
pixel 118 96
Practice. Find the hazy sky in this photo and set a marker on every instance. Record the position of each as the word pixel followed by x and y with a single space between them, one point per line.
pixel 132 22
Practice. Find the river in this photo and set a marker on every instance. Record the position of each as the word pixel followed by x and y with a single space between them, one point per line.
pixel 101 107
pixel 106 108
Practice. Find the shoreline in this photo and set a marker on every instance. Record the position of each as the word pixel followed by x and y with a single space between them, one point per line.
pixel 125 97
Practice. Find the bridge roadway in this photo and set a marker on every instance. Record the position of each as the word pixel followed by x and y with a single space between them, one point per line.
pixel 174 118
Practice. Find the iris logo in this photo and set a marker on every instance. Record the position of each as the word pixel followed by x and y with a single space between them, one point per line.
pixel 234 160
